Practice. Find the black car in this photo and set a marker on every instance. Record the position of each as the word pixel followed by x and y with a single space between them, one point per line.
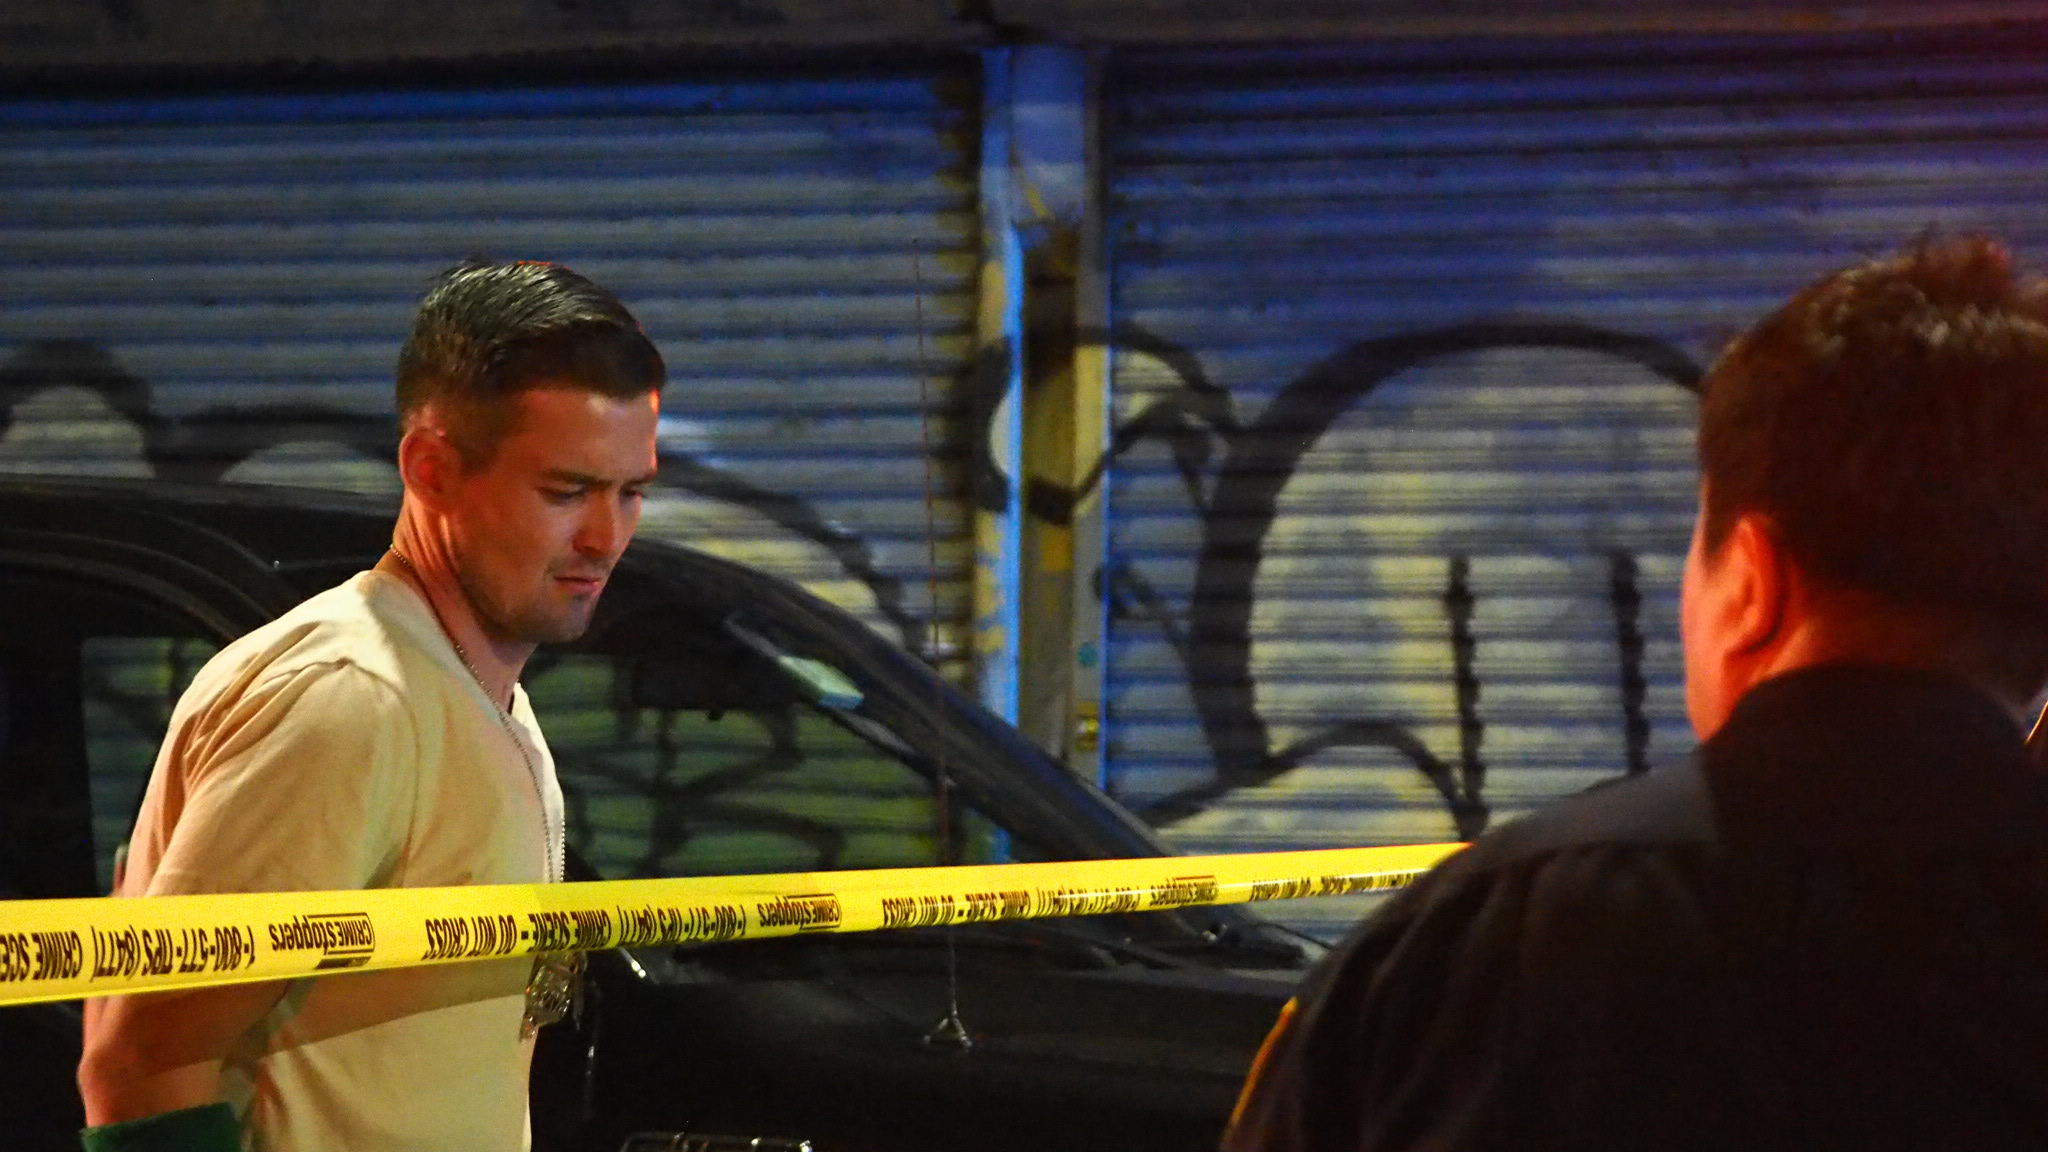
pixel 714 720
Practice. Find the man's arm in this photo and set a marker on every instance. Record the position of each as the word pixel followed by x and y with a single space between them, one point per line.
pixel 1533 1001
pixel 1328 1077
pixel 300 783
pixel 155 1052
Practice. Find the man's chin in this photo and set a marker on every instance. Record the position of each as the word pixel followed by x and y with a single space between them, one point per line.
pixel 555 629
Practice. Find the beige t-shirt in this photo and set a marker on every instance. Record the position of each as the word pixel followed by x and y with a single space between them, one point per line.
pixel 345 745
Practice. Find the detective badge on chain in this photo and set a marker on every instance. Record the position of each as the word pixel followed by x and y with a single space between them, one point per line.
pixel 551 991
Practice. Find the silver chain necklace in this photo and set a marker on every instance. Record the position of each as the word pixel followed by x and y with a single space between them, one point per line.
pixel 552 989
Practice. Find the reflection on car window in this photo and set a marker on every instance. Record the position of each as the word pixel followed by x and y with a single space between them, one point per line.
pixel 681 791
pixel 128 686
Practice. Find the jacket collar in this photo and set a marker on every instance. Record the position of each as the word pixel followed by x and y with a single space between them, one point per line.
pixel 1856 749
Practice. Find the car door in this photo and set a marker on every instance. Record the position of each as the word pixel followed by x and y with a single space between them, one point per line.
pixel 710 732
pixel 103 620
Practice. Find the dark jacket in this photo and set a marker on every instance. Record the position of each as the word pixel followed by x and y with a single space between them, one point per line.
pixel 1826 930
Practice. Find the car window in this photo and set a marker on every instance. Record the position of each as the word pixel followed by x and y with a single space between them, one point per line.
pixel 704 761
pixel 128 687
pixel 753 782
pixel 89 672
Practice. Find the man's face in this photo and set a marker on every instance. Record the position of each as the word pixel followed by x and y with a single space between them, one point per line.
pixel 537 529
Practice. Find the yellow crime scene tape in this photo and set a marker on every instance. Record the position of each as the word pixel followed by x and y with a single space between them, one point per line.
pixel 64 949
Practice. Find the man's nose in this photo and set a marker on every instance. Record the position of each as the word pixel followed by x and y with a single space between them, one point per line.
pixel 604 529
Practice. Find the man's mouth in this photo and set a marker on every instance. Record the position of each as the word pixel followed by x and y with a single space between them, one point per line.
pixel 581 584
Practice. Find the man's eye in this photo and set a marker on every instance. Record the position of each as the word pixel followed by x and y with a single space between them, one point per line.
pixel 559 495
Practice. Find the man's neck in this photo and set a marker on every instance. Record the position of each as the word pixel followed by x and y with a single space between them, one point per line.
pixel 495 664
pixel 1818 640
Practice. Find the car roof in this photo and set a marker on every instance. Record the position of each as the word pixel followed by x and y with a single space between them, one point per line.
pixel 308 538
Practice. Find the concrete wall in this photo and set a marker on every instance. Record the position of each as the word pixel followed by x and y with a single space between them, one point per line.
pixel 1153 21
pixel 64 34
pixel 89 37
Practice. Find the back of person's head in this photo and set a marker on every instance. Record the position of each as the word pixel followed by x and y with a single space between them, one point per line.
pixel 486 332
pixel 1890 424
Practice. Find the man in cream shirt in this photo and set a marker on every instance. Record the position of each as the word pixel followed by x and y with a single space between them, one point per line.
pixel 376 736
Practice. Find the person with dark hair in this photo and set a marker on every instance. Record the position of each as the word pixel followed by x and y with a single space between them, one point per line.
pixel 1828 927
pixel 377 736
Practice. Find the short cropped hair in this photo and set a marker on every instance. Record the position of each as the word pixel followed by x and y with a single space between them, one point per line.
pixel 486 332
pixel 1890 422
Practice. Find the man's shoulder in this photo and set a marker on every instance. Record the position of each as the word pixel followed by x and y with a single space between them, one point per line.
pixel 348 635
pixel 1650 818
pixel 1586 860
pixel 1666 806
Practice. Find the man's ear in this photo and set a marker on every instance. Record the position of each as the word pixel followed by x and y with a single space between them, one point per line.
pixel 1758 589
pixel 428 464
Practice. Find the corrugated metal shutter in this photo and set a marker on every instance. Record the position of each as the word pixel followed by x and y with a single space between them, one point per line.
pixel 1403 335
pixel 218 286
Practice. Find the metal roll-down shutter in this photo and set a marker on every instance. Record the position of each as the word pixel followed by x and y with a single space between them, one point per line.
pixel 1404 344
pixel 216 288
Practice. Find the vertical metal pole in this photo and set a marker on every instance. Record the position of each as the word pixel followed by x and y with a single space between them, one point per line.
pixel 1066 423
pixel 1093 422
pixel 999 332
